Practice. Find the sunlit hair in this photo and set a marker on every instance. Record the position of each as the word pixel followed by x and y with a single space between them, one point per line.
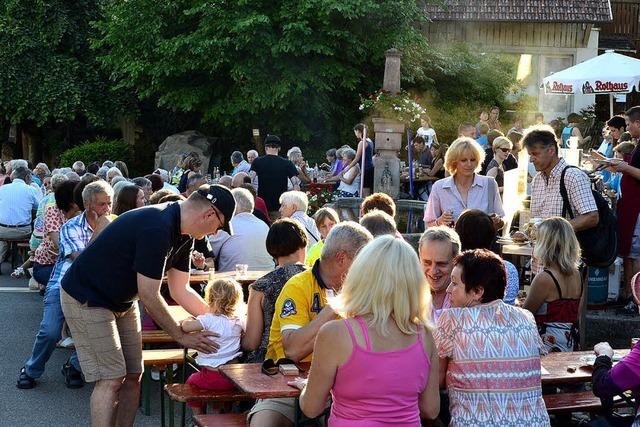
pixel 501 142
pixel 224 296
pixel 298 199
pixel 556 243
pixel 459 148
pixel 323 213
pixel 440 150
pixel 385 281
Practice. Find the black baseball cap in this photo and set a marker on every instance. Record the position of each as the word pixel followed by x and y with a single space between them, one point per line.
pixel 220 197
pixel 272 141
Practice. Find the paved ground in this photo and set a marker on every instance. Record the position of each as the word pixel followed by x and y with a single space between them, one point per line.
pixel 50 403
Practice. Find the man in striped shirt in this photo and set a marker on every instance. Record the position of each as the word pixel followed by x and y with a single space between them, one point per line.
pixel 75 235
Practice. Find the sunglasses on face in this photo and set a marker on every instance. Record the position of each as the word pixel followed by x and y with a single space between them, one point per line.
pixel 505 150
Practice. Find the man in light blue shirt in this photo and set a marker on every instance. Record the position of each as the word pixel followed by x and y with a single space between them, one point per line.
pixel 17 200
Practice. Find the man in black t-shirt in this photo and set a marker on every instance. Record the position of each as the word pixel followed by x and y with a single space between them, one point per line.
pixel 273 172
pixel 126 261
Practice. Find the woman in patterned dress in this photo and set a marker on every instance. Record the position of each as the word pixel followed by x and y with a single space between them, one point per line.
pixel 489 351
pixel 286 242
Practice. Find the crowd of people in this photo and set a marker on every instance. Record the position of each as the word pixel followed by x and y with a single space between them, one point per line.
pixel 393 334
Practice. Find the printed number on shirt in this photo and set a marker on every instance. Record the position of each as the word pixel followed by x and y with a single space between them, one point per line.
pixel 288 308
pixel 316 307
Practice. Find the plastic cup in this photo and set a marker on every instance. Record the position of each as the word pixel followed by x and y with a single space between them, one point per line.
pixel 241 270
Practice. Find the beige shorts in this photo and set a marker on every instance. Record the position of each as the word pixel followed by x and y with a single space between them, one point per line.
pixel 283 406
pixel 109 344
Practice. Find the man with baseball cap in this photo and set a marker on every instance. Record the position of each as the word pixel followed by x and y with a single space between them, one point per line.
pixel 273 173
pixel 126 261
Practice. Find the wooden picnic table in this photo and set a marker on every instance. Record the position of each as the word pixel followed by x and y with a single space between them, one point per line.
pixel 554 367
pixel 249 378
pixel 249 278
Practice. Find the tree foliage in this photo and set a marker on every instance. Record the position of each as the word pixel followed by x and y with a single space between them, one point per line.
pixel 49 73
pixel 291 66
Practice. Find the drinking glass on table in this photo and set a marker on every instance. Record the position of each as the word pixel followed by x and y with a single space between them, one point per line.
pixel 241 270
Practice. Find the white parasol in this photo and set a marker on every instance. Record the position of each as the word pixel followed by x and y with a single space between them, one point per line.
pixel 609 73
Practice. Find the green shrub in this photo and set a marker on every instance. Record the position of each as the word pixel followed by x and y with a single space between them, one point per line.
pixel 97 151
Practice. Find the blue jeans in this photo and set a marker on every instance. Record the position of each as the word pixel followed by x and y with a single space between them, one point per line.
pixel 48 335
pixel 42 272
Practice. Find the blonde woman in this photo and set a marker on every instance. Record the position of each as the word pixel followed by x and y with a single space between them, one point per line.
pixel 295 155
pixel 380 363
pixel 464 189
pixel 325 219
pixel 495 169
pixel 556 296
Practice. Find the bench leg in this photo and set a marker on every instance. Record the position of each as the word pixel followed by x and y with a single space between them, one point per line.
pixel 145 395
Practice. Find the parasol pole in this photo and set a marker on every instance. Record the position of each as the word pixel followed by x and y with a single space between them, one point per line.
pixel 364 149
pixel 410 160
pixel 611 105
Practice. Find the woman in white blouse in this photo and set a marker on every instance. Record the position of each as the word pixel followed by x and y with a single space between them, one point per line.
pixel 464 189
pixel 350 180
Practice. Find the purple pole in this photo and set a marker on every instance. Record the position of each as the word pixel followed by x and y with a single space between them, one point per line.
pixel 410 160
pixel 364 149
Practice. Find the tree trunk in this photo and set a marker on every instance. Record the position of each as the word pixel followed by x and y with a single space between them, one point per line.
pixel 31 139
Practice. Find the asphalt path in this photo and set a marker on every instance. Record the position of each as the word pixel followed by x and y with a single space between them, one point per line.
pixel 50 403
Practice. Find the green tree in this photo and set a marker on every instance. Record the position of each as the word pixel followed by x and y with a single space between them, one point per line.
pixel 49 73
pixel 290 66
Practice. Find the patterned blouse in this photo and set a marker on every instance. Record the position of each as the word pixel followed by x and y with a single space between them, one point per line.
pixel 493 376
pixel 47 253
pixel 270 285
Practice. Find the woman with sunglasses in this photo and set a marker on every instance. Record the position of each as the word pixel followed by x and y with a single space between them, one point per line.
pixel 379 362
pixel 501 149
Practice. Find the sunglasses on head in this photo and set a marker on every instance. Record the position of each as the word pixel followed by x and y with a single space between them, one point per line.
pixel 269 367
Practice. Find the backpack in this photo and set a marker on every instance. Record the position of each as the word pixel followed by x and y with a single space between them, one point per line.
pixel 599 244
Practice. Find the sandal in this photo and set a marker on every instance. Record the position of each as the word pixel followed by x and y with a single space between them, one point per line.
pixel 18 273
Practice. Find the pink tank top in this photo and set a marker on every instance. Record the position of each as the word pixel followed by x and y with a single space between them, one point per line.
pixel 379 388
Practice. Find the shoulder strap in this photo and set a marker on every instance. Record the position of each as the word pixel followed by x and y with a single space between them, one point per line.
pixel 364 333
pixel 554 281
pixel 351 334
pixel 566 207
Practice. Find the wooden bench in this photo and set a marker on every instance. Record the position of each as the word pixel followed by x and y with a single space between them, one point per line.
pixel 582 401
pixel 16 247
pixel 220 420
pixel 185 393
pixel 156 336
pixel 163 360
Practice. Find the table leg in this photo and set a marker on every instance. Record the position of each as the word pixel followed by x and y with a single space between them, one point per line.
pixel 146 398
pixel 163 372
pixel 170 381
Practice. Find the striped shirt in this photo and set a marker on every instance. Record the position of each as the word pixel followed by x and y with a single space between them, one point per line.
pixel 74 237
pixel 17 200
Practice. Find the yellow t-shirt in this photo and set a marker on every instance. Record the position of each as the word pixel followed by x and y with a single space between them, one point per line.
pixel 300 301
pixel 314 253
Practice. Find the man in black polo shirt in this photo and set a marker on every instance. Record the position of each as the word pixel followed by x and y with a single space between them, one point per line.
pixel 127 260
pixel 273 172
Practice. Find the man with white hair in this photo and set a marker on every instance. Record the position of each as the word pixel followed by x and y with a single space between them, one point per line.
pixel 302 309
pixel 251 156
pixel 294 204
pixel 17 200
pixel 248 243
pixel 239 163
pixel 113 172
pixel 79 168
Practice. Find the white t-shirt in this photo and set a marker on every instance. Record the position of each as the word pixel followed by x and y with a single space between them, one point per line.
pixel 230 330
pixel 427 134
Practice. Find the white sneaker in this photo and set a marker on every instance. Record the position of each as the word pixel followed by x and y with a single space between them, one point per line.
pixel 66 343
pixel 33 285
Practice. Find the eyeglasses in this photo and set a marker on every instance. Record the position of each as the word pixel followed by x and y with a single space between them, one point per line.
pixel 505 150
pixel 215 211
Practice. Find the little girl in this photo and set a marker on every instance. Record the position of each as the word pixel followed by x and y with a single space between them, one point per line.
pixel 224 297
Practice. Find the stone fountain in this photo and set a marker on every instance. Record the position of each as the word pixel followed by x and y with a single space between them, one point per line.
pixel 388 134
